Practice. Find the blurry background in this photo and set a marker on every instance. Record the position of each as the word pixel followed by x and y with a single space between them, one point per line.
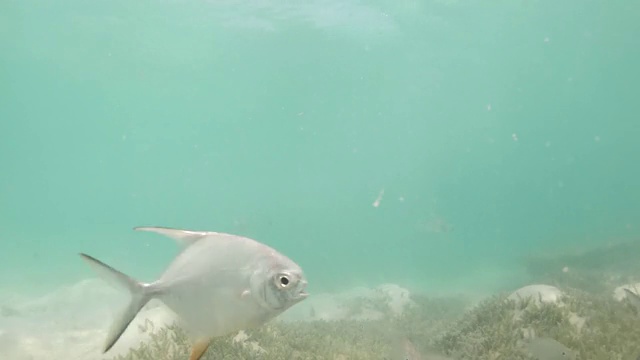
pixel 433 144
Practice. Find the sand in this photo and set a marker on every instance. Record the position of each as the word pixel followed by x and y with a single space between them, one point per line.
pixel 72 322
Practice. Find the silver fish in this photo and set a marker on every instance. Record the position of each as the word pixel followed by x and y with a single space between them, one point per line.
pixel 218 284
pixel 548 349
pixel 632 297
pixel 403 349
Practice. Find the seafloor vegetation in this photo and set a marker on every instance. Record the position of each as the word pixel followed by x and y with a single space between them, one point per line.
pixel 589 321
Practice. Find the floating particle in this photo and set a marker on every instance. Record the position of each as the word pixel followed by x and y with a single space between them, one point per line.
pixel 376 203
pixel 514 136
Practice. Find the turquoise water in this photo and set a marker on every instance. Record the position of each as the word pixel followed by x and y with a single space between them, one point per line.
pixel 491 131
pixel 436 145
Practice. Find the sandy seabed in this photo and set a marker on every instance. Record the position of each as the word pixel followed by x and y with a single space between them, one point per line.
pixel 72 322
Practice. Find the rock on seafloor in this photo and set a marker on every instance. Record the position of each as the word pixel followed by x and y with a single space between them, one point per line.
pixel 540 294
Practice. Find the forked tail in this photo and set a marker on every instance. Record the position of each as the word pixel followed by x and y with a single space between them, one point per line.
pixel 140 294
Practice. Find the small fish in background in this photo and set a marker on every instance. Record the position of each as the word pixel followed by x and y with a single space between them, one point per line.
pixel 633 298
pixel 8 311
pixel 404 349
pixel 435 224
pixel 439 225
pixel 409 351
pixel 218 284
pixel 544 348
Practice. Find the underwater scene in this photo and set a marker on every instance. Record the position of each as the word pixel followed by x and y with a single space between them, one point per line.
pixel 319 179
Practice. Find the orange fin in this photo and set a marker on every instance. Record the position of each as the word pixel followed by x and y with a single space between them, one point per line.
pixel 198 348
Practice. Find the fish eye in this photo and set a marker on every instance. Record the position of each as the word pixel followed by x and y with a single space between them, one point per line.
pixel 284 280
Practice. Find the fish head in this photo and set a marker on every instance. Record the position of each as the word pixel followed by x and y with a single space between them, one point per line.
pixel 280 286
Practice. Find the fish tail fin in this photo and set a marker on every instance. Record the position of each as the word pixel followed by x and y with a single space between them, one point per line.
pixel 141 293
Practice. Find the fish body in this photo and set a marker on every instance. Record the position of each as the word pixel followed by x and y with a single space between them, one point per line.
pixel 218 284
pixel 632 297
pixel 409 351
pixel 548 349
pixel 403 349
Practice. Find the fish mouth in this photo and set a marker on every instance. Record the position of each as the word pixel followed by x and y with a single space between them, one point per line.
pixel 303 294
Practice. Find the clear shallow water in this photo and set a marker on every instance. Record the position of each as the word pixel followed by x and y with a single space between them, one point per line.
pixel 495 130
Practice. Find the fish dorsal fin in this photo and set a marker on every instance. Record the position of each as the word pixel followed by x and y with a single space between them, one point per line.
pixel 198 348
pixel 183 237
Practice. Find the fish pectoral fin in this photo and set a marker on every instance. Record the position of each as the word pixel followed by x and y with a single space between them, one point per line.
pixel 199 347
pixel 183 237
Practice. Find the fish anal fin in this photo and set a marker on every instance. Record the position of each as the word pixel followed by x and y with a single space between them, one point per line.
pixel 199 347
